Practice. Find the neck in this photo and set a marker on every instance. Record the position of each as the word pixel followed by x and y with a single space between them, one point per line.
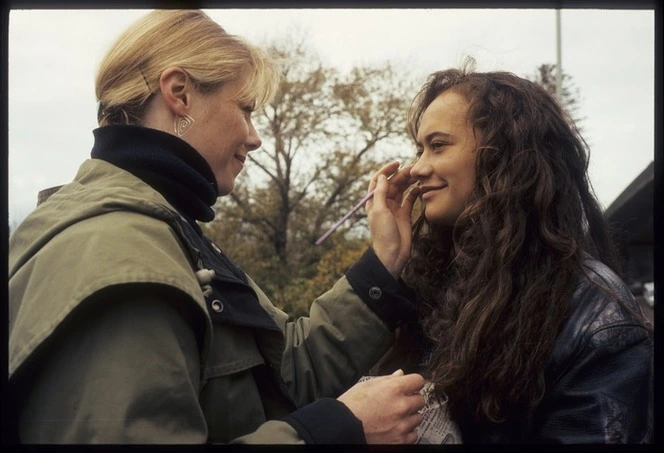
pixel 167 163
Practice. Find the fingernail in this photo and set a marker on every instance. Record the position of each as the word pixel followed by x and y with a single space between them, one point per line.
pixel 398 372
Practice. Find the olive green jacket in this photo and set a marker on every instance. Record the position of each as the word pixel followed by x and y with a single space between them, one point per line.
pixel 111 339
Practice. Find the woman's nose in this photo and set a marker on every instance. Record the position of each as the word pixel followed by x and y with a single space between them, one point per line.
pixel 420 168
pixel 253 139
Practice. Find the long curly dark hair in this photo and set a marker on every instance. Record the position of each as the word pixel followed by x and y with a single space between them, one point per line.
pixel 495 288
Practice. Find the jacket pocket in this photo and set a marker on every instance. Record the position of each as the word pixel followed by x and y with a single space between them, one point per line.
pixel 233 350
pixel 230 398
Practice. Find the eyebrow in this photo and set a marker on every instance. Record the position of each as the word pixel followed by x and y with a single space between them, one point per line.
pixel 434 134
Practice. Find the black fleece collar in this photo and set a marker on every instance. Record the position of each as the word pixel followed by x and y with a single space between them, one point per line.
pixel 168 164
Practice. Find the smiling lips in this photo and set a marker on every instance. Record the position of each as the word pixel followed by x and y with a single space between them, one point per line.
pixel 429 191
pixel 241 158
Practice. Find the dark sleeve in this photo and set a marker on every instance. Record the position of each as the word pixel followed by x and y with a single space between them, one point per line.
pixel 390 299
pixel 604 396
pixel 124 368
pixel 327 421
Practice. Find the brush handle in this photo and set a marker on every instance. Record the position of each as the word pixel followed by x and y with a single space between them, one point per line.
pixel 334 227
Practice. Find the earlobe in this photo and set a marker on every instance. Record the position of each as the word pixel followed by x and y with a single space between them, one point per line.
pixel 174 85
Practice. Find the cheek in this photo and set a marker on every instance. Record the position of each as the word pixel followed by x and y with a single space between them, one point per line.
pixel 236 127
pixel 470 181
pixel 461 182
pixel 467 173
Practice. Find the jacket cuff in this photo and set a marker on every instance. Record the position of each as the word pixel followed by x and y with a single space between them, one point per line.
pixel 390 299
pixel 327 421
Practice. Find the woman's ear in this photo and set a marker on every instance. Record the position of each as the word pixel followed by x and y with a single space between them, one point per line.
pixel 175 89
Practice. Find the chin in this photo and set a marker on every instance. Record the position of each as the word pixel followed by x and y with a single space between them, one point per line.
pixel 440 219
pixel 224 189
pixel 434 218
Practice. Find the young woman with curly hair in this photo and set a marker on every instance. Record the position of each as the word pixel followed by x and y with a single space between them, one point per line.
pixel 525 326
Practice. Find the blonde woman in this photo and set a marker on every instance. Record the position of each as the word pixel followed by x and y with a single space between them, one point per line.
pixel 127 325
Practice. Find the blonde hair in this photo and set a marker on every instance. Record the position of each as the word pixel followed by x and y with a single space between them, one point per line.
pixel 129 74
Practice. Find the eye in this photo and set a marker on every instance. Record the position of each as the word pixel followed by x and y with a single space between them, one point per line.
pixel 247 107
pixel 437 145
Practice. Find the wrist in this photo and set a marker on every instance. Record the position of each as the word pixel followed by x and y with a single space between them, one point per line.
pixel 394 269
pixel 386 295
pixel 390 260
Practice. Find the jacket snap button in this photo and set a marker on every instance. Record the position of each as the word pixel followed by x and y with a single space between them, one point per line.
pixel 217 306
pixel 375 293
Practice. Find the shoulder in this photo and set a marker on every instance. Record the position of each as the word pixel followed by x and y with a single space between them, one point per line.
pixel 110 248
pixel 120 242
pixel 603 314
pixel 603 299
pixel 94 253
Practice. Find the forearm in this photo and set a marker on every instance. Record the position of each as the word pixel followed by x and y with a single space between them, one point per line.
pixel 348 330
pixel 325 421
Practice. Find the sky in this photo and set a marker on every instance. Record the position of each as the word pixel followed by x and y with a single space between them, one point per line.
pixel 609 54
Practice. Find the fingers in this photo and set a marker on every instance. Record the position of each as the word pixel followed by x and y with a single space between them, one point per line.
pixel 402 179
pixel 416 402
pixel 405 431
pixel 411 383
pixel 409 387
pixel 386 170
pixel 381 175
pixel 410 198
pixel 389 407
pixel 399 180
pixel 410 425
pixel 411 418
pixel 413 421
pixel 410 438
pixel 399 183
pixel 380 193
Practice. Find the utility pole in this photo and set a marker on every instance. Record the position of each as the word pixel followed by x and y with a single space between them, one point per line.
pixel 559 67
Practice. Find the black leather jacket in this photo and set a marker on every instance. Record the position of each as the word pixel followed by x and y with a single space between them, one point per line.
pixel 599 376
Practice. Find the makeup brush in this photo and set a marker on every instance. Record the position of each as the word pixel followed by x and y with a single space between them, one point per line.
pixel 359 204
